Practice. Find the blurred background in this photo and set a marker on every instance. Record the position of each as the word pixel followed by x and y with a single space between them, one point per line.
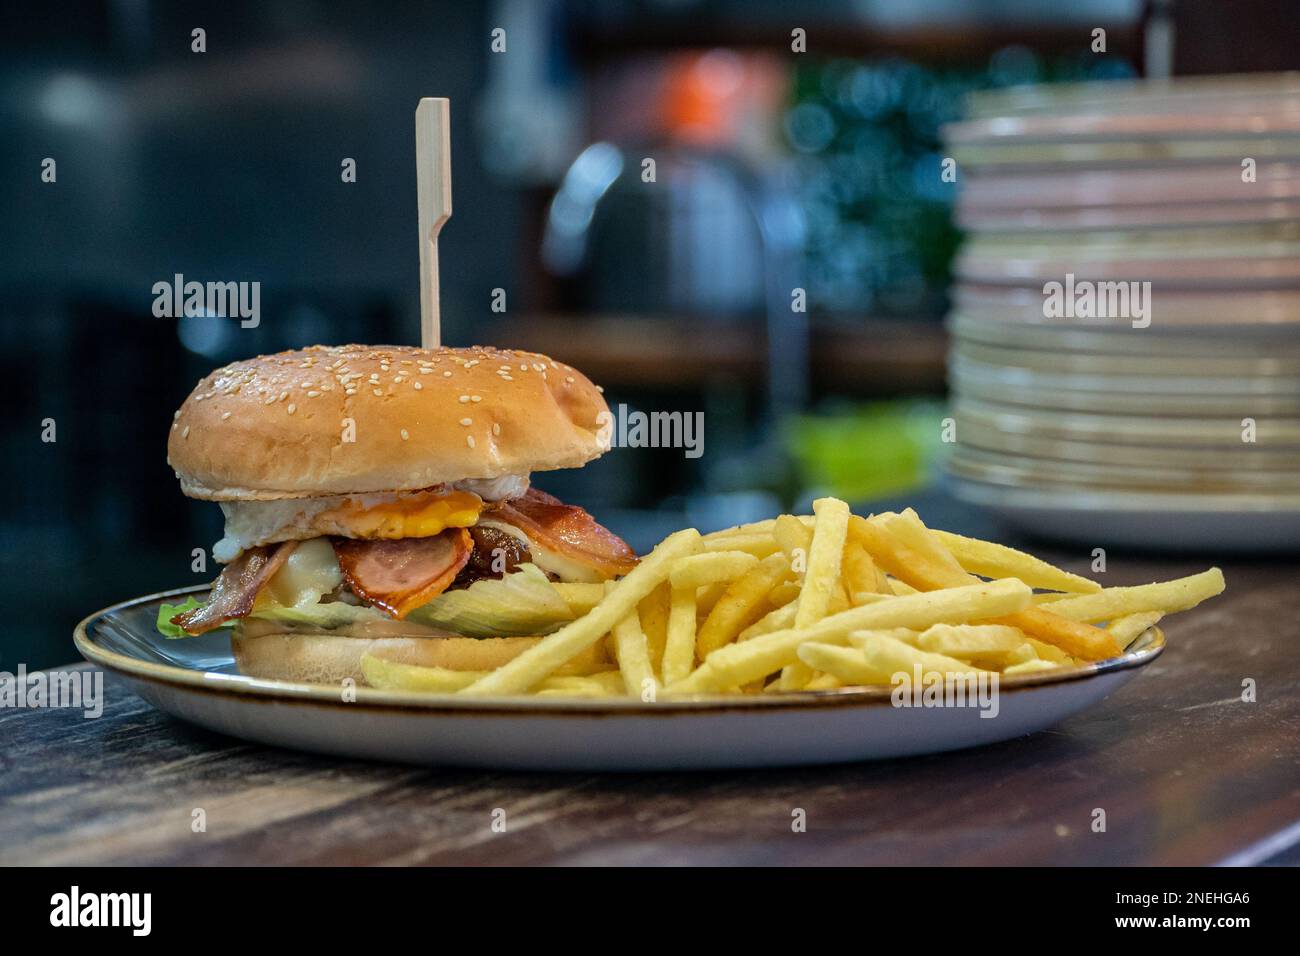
pixel 775 169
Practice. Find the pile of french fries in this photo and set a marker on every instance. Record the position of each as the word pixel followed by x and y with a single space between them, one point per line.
pixel 817 602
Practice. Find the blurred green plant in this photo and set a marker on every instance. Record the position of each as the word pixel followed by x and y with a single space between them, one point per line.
pixel 866 134
pixel 866 451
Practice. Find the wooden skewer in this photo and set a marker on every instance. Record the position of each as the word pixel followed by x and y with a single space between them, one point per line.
pixel 433 196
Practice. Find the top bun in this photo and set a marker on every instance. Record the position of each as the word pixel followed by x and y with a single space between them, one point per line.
pixel 359 418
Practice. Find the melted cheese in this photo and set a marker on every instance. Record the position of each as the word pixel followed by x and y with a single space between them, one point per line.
pixel 411 514
pixel 566 569
pixel 310 572
pixel 402 518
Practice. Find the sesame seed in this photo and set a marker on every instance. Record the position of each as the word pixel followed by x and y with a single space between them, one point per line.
pixel 496 428
pixel 469 440
pixel 349 391
pixel 463 399
pixel 446 374
pixel 186 432
pixel 225 415
pixel 426 371
pixel 570 379
pixel 292 408
pixel 417 386
pixel 506 378
pixel 467 421
pixel 405 434
pixel 476 398
pixel 379 392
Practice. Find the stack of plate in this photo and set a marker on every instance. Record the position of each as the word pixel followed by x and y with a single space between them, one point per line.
pixel 1169 416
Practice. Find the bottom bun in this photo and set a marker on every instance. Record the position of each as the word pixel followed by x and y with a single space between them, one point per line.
pixel 332 659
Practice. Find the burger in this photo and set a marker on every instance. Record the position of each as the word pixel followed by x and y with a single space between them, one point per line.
pixel 379 499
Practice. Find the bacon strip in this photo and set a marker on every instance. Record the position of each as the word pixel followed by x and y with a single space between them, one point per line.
pixel 402 574
pixel 235 590
pixel 568 530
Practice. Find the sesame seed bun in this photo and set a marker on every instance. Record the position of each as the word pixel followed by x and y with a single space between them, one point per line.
pixel 278 426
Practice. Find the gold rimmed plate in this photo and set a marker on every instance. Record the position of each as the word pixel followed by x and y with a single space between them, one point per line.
pixel 195 680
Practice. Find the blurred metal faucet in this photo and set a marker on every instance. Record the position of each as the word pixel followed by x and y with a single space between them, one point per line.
pixel 710 236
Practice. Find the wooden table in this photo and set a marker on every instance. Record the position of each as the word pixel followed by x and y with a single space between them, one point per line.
pixel 1186 772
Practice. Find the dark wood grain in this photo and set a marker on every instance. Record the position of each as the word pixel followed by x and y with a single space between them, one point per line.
pixel 1186 772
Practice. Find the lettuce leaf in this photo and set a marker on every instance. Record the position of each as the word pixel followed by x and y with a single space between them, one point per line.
pixel 329 615
pixel 521 603
pixel 168 611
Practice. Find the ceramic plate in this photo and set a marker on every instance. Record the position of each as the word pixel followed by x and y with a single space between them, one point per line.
pixel 1051 395
pixel 195 679
pixel 1160 340
pixel 1139 430
pixel 1013 470
pixel 1230 314
pixel 1143 520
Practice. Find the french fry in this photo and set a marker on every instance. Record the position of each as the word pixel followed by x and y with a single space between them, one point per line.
pixel 998 561
pixel 825 556
pixel 905 548
pixel 777 620
pixel 989 646
pixel 822 577
pixel 760 545
pixel 1128 628
pixel 633 655
pixel 904 634
pixel 709 568
pixel 824 681
pixel 679 651
pixel 783 594
pixel 1083 641
pixel 754 527
pixel 1048 652
pixel 1030 667
pixel 793 536
pixel 706 598
pixel 391 675
pixel 740 663
pixel 610 681
pixel 581 597
pixel 551 652
pixel 597 685
pixel 860 574
pixel 846 664
pixel 654 622
pixel 888 657
pixel 740 605
pixel 1178 595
